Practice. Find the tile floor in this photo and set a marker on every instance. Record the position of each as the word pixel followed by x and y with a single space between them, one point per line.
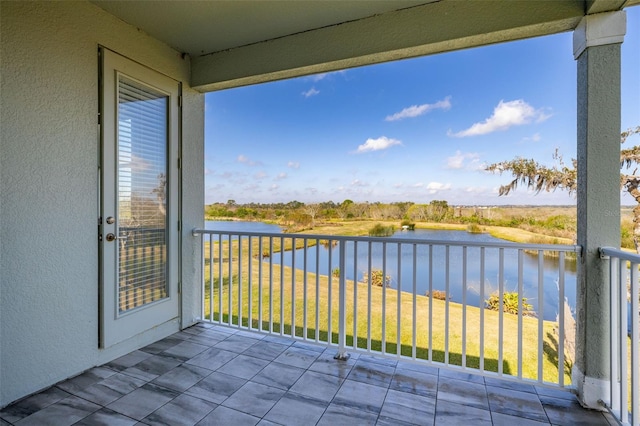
pixel 209 375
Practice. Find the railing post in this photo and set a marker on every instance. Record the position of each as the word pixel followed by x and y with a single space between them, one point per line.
pixel 342 354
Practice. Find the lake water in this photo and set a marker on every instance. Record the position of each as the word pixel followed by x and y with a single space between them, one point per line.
pixel 357 266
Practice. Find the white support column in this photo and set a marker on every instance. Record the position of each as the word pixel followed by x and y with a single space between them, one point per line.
pixel 596 45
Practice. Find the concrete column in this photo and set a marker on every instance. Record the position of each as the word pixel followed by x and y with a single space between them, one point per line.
pixel 596 43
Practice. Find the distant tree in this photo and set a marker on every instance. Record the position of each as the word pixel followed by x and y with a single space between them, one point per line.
pixel 562 176
pixel 312 210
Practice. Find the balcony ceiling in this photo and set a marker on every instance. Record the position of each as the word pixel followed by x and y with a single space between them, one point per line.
pixel 233 43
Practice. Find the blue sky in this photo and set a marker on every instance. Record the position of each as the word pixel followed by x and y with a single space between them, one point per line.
pixel 414 130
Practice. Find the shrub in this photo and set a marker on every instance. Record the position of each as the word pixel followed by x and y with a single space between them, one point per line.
pixel 335 272
pixel 376 278
pixel 438 294
pixel 380 230
pixel 474 228
pixel 509 303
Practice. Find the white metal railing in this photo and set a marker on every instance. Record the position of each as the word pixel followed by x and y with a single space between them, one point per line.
pixel 625 335
pixel 287 284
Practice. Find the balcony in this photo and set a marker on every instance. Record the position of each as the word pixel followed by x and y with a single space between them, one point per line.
pixel 210 374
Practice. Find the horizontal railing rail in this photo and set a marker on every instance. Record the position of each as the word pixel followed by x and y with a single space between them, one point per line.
pixel 421 300
pixel 625 335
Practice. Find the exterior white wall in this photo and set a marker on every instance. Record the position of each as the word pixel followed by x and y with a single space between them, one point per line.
pixel 49 189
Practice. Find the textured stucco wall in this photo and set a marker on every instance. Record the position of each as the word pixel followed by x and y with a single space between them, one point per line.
pixel 49 188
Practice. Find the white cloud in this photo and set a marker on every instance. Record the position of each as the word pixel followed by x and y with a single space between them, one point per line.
pixel 382 142
pixel 310 92
pixel 535 138
pixel 358 182
pixel 322 76
pixel 246 160
pixel 436 187
pixel 458 160
pixel 418 185
pixel 417 110
pixel 281 176
pixel 260 175
pixel 293 164
pixel 505 115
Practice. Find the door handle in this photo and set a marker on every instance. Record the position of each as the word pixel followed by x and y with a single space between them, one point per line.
pixel 111 237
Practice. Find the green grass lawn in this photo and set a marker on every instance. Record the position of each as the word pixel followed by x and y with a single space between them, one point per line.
pixel 280 294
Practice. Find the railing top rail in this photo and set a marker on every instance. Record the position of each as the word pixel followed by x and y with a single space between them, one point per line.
pixel 620 254
pixel 509 245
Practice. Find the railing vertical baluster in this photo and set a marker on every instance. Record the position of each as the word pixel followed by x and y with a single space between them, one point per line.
pixel 520 308
pixel 464 306
pixel 430 319
pixel 623 330
pixel 293 287
pixel 414 319
pixel 635 353
pixel 230 272
pixel 446 304
pixel 250 284
pixel 614 283
pixel 220 280
pixel 540 315
pixel 369 298
pixel 342 302
pixel 329 293
pixel 399 308
pixel 384 298
pixel 355 295
pixel 212 270
pixel 270 284
pixel 305 304
pixel 561 320
pixel 240 299
pixel 260 283
pixel 500 309
pixel 482 277
pixel 282 286
pixel 317 324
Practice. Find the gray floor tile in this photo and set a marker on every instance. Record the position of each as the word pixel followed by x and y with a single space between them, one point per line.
pixel 451 414
pixel 516 403
pixel 182 411
pixel 278 375
pixel 326 364
pixel 161 345
pixel 294 410
pixel 32 404
pixel 106 417
pixel 340 415
pixel 566 412
pixel 86 379
pixel 254 399
pixel 379 360
pixel 461 375
pixel 236 343
pixel 500 419
pixel 297 357
pixel 111 388
pixel 216 387
pixel 128 360
pixel 223 416
pixel 265 350
pixel 278 339
pixel 556 393
pixel 243 366
pixel 522 387
pixel 143 401
pixel 212 359
pixel 309 346
pixel 415 382
pixel 463 392
pixel 185 350
pixel 65 412
pixel 153 367
pixel 415 366
pixel 409 408
pixel 361 396
pixel 372 373
pixel 317 385
pixel 182 377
